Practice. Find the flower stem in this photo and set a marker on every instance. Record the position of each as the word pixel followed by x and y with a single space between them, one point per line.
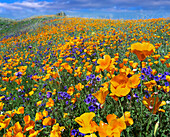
pixel 141 98
pixel 121 106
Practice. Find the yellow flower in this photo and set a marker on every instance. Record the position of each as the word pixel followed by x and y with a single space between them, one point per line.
pixel 27 119
pixel 1 105
pixel 101 94
pixel 142 50
pixel 70 90
pixel 91 135
pixel 153 104
pixel 104 63
pixel 20 110
pixel 50 102
pixel 56 131
pixel 79 86
pixel 38 116
pixel 85 120
pixel 119 85
pixel 31 93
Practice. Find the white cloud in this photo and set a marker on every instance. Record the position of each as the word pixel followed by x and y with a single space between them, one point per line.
pixel 82 7
pixel 31 4
pixel 9 6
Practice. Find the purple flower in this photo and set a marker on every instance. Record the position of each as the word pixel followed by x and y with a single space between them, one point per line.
pixel 87 78
pixel 166 83
pixel 151 76
pixel 44 126
pixel 148 73
pixel 65 87
pixel 91 82
pixel 30 47
pixel 139 85
pixel 18 74
pixel 129 97
pixel 44 85
pixel 66 102
pixel 147 96
pixel 91 108
pixel 129 75
pixel 8 98
pixel 135 95
pixel 143 77
pixel 156 78
pixel 166 73
pixel 94 100
pixel 74 132
pixel 143 70
pixel 92 76
pixel 40 94
pixel 98 79
pixel 87 100
pixel 163 77
pixel 49 94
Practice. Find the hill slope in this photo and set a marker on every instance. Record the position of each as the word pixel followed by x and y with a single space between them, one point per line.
pixel 9 27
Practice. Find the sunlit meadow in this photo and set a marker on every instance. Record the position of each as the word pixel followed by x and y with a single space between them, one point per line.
pixel 62 77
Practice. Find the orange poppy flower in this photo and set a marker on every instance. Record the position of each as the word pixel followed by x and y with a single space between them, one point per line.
pixel 45 113
pixel 127 119
pixel 153 104
pixel 70 90
pixel 119 85
pixel 17 128
pixel 142 50
pixel 19 135
pixel 85 120
pixel 20 110
pixel 27 119
pixel 115 125
pixel 91 135
pixel 38 116
pixel 48 121
pixel 134 81
pixel 1 105
pixel 104 63
pixel 29 126
pixel 50 102
pixel 35 133
pixel 79 86
pixel 56 131
pixel 5 123
pixel 101 94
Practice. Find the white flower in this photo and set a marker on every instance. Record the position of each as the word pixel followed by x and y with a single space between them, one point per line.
pixel 134 69
pixel 167 102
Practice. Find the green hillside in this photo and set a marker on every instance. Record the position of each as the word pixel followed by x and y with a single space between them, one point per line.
pixel 9 27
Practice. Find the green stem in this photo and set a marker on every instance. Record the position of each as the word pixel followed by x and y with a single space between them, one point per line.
pixel 141 89
pixel 121 106
pixel 141 100
pixel 149 122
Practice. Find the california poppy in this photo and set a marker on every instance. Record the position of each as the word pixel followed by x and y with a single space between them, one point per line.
pixel 142 50
pixel 101 94
pixel 153 104
pixel 85 120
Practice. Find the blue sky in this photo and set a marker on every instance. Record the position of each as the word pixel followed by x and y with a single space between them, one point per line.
pixel 115 9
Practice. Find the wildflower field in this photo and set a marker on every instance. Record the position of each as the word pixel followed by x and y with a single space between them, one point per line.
pixel 63 76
